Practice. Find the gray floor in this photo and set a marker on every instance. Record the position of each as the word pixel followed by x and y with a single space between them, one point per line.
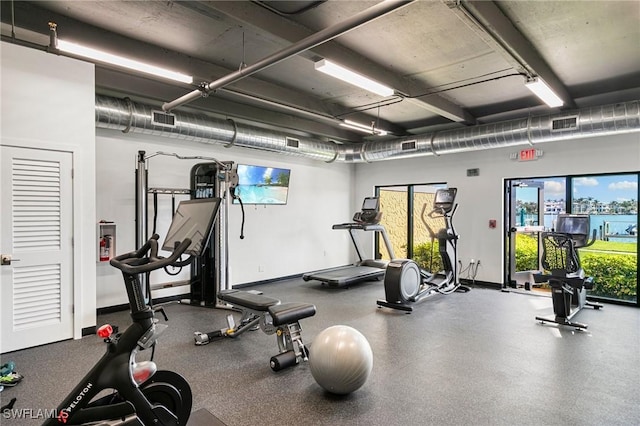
pixel 478 358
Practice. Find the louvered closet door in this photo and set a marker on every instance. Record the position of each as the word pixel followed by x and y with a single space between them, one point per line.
pixel 36 288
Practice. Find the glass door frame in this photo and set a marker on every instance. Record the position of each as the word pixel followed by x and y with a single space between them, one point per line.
pixel 511 186
pixel 410 190
pixel 569 206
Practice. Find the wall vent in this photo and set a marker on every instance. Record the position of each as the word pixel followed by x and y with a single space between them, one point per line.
pixel 163 119
pixel 411 145
pixel 293 143
pixel 564 124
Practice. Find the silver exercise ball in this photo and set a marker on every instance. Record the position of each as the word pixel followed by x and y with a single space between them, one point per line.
pixel 340 359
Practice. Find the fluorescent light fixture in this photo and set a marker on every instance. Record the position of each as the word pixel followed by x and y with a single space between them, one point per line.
pixel 351 77
pixel 372 130
pixel 97 55
pixel 544 92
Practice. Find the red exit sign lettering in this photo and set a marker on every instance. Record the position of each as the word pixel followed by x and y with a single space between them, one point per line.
pixel 527 154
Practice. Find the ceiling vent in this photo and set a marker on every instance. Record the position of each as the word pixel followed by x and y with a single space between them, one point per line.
pixel 163 119
pixel 564 124
pixel 411 145
pixel 293 143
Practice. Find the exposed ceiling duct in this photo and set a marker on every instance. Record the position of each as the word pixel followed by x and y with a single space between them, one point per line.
pixel 128 116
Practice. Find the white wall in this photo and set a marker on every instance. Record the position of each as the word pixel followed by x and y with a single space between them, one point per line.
pixel 481 198
pixel 279 240
pixel 48 102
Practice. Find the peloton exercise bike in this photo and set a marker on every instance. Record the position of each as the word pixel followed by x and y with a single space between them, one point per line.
pixel 406 283
pixel 565 275
pixel 142 395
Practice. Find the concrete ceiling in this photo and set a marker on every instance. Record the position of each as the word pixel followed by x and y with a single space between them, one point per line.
pixel 451 63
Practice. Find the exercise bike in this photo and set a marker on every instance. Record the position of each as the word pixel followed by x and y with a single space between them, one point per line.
pixel 563 271
pixel 142 395
pixel 405 282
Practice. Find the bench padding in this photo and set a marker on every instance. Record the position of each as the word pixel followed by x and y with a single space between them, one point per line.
pixel 256 302
pixel 287 313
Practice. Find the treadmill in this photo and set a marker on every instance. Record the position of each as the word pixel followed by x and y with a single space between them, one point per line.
pixel 368 219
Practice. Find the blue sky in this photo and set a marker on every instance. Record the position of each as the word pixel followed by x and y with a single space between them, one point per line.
pixel 601 188
pixel 256 175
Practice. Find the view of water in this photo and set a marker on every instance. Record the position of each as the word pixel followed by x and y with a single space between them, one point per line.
pixel 618 225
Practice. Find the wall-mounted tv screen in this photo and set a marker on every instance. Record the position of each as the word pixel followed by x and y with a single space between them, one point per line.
pixel 262 185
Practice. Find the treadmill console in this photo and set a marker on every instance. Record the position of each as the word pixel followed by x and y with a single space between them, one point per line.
pixel 370 213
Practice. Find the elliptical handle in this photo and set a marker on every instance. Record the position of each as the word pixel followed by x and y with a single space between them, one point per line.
pixel 135 262
pixel 424 208
pixel 424 221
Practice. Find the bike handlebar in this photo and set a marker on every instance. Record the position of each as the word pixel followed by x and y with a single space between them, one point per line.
pixel 135 262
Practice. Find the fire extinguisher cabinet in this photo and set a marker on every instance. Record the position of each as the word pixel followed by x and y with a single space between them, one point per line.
pixel 106 240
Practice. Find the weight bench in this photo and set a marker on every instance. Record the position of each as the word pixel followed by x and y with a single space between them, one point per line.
pixel 268 314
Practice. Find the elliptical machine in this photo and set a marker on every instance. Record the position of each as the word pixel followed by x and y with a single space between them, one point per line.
pixel 406 283
pixel 142 395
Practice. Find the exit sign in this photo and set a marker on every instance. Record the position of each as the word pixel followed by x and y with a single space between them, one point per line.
pixel 529 154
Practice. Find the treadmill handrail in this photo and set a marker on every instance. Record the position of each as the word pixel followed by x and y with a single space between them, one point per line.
pixel 364 227
pixel 350 226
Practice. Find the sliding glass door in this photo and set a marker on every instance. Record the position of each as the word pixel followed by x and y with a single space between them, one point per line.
pixel 395 219
pixel 533 205
pixel 402 209
pixel 610 201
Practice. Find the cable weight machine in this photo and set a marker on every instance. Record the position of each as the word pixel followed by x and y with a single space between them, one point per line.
pixel 212 178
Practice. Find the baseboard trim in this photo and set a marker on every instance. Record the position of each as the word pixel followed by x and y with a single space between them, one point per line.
pixel 269 281
pixel 87 331
pixel 476 283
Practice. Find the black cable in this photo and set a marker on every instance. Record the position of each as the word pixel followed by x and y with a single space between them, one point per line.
pixel 237 197
pixel 399 97
pixel 310 6
pixel 155 211
pixel 241 225
pixel 393 100
pixel 472 78
pixel 180 261
pixel 463 85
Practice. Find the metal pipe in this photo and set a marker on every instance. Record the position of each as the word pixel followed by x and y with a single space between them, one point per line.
pixel 223 166
pixel 227 201
pixel 593 121
pixel 142 186
pixel 307 43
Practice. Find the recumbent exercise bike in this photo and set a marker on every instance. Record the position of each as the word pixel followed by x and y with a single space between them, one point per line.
pixel 405 282
pixel 142 396
pixel 561 260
